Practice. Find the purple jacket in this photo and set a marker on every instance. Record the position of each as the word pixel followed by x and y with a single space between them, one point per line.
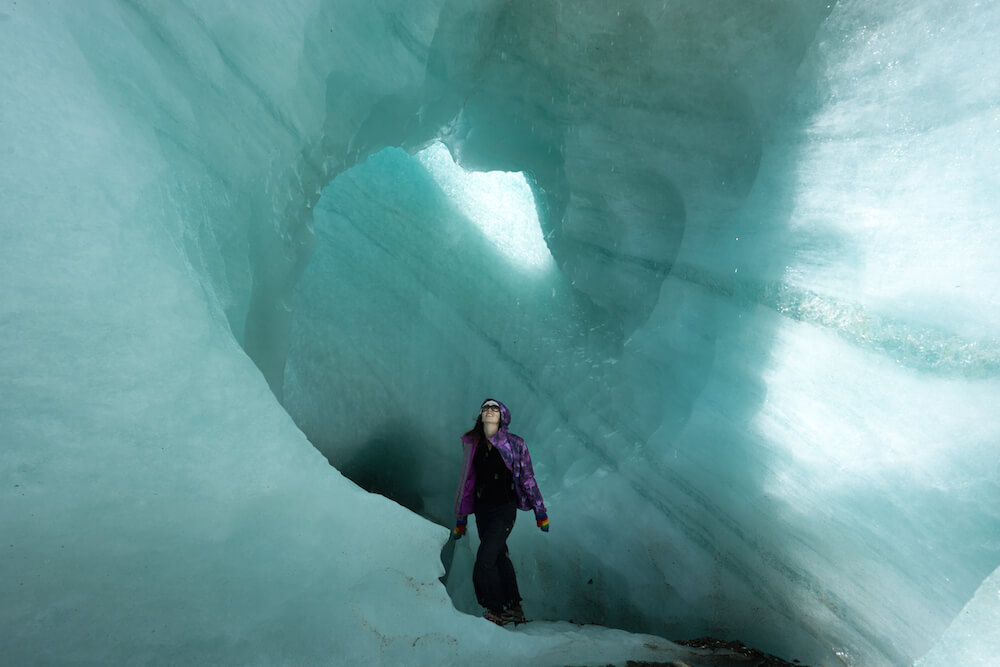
pixel 515 455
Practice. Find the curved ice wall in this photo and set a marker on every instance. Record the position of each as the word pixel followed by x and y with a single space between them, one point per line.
pixel 759 378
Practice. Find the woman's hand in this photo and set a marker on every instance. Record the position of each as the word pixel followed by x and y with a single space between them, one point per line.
pixel 542 520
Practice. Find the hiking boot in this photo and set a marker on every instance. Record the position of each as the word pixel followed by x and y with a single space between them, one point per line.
pixel 494 617
pixel 514 615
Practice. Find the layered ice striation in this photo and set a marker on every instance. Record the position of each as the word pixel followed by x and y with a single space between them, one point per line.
pixel 732 265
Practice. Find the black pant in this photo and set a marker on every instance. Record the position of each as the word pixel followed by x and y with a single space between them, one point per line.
pixel 493 575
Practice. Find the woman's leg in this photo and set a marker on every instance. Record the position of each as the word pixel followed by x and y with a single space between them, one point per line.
pixel 493 570
pixel 508 579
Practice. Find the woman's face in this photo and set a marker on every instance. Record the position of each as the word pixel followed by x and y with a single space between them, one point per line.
pixel 491 414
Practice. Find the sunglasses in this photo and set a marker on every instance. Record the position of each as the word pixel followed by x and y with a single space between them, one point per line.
pixel 491 408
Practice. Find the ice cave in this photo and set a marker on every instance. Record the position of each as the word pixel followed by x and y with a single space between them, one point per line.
pixel 734 265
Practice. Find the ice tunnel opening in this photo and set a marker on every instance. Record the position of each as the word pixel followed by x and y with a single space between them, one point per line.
pixel 500 203
pixel 409 313
pixel 384 279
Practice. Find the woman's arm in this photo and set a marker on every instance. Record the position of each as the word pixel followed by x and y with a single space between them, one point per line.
pixel 528 484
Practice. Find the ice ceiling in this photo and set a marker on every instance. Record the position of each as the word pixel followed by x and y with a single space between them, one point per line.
pixel 737 280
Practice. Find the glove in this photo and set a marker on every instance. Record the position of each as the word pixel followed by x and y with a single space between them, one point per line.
pixel 460 527
pixel 543 521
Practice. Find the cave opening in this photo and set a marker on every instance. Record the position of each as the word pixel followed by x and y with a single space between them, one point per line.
pixel 395 305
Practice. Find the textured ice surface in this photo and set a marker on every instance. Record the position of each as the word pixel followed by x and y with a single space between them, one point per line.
pixel 974 635
pixel 757 365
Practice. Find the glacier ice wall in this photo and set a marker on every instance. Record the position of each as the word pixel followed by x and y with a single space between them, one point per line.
pixel 759 380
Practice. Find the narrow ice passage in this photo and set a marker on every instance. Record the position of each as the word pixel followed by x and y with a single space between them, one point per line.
pixel 755 356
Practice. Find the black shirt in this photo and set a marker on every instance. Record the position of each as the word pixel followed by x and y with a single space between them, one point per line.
pixel 494 482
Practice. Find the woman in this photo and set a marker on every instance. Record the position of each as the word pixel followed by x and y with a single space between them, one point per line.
pixel 496 481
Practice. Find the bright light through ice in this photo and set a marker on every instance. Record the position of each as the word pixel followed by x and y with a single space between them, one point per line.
pixel 826 421
pixel 499 202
